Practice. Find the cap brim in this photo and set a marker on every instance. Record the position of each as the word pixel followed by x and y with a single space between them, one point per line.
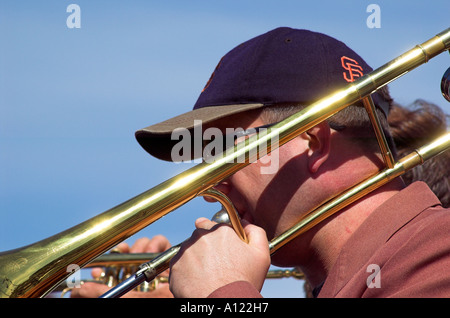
pixel 156 139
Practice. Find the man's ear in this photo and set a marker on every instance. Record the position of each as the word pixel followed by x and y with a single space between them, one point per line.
pixel 319 139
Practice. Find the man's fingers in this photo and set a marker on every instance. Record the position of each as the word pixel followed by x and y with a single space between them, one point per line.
pixel 157 244
pixel 89 290
pixel 204 223
pixel 256 236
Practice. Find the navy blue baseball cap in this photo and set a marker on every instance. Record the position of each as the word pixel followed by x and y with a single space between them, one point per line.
pixel 282 66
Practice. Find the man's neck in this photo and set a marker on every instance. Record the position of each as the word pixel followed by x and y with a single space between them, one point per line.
pixel 331 236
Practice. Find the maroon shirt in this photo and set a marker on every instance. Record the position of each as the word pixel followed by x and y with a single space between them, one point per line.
pixel 406 240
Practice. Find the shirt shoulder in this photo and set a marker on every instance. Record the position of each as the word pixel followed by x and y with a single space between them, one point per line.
pixel 414 262
pixel 238 289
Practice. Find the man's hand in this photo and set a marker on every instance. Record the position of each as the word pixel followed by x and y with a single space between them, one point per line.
pixel 214 256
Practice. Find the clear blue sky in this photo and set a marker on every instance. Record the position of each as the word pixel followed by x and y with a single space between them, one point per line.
pixel 71 99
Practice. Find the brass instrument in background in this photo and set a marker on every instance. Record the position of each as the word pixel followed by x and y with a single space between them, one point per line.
pixel 117 267
pixel 34 270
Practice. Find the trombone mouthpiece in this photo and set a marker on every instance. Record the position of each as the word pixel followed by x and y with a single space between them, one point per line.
pixel 445 85
pixel 221 216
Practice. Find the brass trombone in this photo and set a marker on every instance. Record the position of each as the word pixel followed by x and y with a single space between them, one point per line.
pixel 34 270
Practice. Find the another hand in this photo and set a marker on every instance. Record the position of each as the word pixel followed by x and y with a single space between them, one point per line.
pixel 157 244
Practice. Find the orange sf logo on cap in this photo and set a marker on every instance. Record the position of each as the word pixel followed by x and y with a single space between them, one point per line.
pixel 354 70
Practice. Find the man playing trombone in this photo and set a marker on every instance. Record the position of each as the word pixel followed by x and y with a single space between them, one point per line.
pixel 392 242
pixel 398 233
